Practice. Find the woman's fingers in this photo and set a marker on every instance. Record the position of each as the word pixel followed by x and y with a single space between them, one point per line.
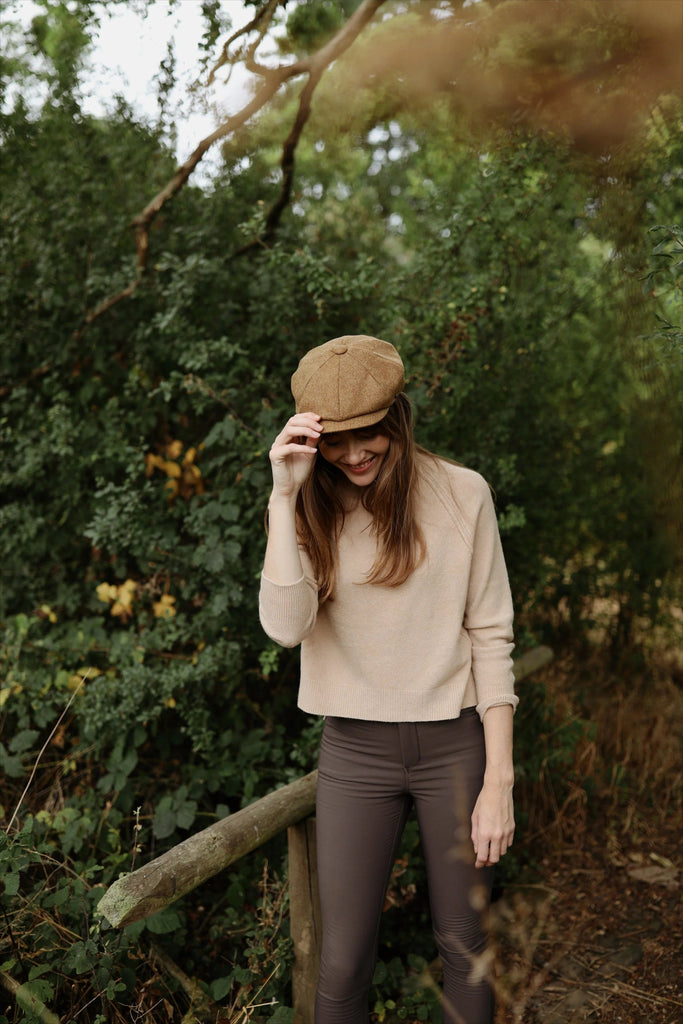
pixel 292 453
pixel 282 448
pixel 299 433
pixel 306 423
pixel 491 853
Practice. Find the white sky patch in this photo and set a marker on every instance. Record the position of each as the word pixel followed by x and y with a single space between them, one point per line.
pixel 125 60
pixel 128 53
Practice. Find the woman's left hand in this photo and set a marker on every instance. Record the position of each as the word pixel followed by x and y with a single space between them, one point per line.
pixel 493 823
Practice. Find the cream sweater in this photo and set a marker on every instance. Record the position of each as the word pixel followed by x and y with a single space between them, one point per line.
pixel 418 652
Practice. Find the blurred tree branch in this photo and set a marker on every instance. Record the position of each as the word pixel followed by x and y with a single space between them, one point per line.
pixel 592 79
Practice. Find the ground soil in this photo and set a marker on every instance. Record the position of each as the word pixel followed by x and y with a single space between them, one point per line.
pixel 596 933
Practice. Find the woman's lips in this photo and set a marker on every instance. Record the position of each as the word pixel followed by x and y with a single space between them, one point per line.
pixel 363 467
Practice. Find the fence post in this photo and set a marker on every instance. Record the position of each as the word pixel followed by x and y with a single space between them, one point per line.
pixel 304 911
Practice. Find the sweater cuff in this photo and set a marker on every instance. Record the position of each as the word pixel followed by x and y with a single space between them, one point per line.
pixel 287 610
pixel 494 702
pixel 281 586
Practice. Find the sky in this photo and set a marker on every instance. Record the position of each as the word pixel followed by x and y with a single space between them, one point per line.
pixel 127 54
pixel 130 48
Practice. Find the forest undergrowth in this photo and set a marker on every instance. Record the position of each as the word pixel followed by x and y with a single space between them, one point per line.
pixel 598 799
pixel 526 262
pixel 589 926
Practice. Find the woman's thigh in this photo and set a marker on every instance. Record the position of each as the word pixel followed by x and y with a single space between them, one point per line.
pixel 360 814
pixel 445 786
pixel 445 790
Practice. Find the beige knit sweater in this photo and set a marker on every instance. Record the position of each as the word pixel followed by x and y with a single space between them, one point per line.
pixel 420 651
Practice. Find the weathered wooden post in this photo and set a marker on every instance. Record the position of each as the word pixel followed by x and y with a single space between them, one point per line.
pixel 304 918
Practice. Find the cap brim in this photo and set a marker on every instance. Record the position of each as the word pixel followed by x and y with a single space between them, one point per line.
pixel 366 420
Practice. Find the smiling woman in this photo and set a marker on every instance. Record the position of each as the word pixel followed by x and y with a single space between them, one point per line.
pixel 358 453
pixel 355 383
pixel 384 562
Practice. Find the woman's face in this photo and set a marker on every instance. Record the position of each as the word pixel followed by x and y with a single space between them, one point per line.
pixel 357 453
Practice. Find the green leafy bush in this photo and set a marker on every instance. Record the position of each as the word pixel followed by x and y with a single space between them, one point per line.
pixel 139 698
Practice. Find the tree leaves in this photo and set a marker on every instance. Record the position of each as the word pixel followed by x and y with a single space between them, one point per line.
pixel 513 277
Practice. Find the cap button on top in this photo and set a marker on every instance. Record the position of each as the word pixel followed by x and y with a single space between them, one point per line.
pixel 340 348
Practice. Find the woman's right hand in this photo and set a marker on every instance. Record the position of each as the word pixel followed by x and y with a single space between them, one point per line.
pixel 293 452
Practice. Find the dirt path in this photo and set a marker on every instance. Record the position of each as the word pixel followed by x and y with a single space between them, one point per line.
pixel 597 937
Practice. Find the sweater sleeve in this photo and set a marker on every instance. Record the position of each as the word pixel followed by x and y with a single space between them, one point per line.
pixel 488 612
pixel 288 611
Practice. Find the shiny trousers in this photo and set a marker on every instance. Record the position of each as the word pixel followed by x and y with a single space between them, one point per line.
pixel 370 775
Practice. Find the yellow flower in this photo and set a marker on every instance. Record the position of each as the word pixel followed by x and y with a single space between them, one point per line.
pixel 172 469
pixel 173 449
pixel 9 691
pixel 123 607
pixel 184 479
pixel 82 675
pixel 152 461
pixel 163 608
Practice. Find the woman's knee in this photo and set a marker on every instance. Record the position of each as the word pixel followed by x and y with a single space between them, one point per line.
pixel 463 945
pixel 343 973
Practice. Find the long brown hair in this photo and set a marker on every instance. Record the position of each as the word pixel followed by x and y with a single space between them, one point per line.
pixel 390 499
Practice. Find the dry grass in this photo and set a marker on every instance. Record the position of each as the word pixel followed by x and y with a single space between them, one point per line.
pixel 595 901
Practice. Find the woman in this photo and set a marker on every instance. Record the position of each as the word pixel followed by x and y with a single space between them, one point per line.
pixel 385 563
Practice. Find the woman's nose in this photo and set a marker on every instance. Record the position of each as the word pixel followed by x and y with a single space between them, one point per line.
pixel 355 451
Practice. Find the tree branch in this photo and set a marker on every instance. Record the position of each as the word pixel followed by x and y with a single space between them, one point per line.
pixel 181 869
pixel 314 67
pixel 343 39
pixel 27 999
pixel 143 221
pixel 261 21
pixel 287 165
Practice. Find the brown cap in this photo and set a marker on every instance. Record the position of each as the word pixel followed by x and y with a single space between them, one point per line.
pixel 350 382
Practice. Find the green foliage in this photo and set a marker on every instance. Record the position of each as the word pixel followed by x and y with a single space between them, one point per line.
pixel 49 899
pixel 61 35
pixel 138 694
pixel 411 995
pixel 311 24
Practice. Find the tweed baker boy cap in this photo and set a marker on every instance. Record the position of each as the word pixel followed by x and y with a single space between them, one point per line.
pixel 350 382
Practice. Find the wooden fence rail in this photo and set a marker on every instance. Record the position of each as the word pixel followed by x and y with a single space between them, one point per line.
pixel 174 874
pixel 156 885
